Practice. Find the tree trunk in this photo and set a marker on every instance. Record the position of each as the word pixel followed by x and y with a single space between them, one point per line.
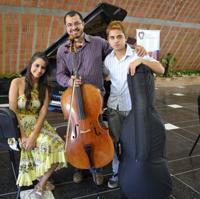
pixel 166 70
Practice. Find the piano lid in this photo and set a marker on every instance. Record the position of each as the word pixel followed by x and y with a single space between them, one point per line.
pixel 96 22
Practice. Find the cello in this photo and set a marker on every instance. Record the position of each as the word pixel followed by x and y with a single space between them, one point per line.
pixel 88 144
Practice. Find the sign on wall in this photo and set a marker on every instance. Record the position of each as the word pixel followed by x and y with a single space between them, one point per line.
pixel 150 40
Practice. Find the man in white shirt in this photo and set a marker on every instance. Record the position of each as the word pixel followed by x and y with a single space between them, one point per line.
pixel 122 60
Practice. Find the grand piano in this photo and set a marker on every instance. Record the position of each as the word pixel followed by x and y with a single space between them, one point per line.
pixel 96 23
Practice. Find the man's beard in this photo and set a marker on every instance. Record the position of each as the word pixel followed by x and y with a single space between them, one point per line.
pixel 78 36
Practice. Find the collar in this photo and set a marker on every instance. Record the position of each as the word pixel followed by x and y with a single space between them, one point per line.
pixel 87 38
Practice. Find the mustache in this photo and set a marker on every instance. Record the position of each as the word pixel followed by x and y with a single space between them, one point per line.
pixel 76 29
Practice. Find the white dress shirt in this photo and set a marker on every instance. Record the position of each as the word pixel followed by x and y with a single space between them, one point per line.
pixel 119 93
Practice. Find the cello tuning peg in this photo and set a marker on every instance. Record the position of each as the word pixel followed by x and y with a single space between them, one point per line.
pixel 80 46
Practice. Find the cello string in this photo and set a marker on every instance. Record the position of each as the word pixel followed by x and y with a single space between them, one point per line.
pixel 70 111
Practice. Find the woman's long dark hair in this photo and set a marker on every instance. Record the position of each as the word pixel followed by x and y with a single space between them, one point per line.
pixel 44 81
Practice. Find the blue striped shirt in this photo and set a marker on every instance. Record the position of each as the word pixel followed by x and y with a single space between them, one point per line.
pixel 119 93
pixel 89 61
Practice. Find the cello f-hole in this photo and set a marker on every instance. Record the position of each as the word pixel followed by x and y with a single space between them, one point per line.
pixel 98 134
pixel 75 136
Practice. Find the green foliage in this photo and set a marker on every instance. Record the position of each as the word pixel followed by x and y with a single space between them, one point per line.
pixel 181 73
pixel 10 75
pixel 168 59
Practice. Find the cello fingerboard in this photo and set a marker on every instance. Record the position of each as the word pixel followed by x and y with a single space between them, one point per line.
pixel 80 107
pixel 79 99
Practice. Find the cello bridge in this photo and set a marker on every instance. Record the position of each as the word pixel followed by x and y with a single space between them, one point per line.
pixel 86 131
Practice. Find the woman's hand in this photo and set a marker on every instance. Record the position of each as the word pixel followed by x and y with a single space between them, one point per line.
pixel 23 140
pixel 29 143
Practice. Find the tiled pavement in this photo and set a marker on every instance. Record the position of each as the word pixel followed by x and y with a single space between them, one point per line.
pixel 179 110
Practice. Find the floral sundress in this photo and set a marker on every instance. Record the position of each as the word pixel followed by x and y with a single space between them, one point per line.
pixel 49 146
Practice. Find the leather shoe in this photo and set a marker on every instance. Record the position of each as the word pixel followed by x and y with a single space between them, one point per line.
pixel 78 176
pixel 99 178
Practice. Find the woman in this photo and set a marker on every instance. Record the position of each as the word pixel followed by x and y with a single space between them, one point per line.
pixel 42 150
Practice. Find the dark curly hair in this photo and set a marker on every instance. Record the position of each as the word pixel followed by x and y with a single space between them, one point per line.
pixel 44 81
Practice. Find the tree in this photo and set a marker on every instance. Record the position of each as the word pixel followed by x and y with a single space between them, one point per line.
pixel 167 60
